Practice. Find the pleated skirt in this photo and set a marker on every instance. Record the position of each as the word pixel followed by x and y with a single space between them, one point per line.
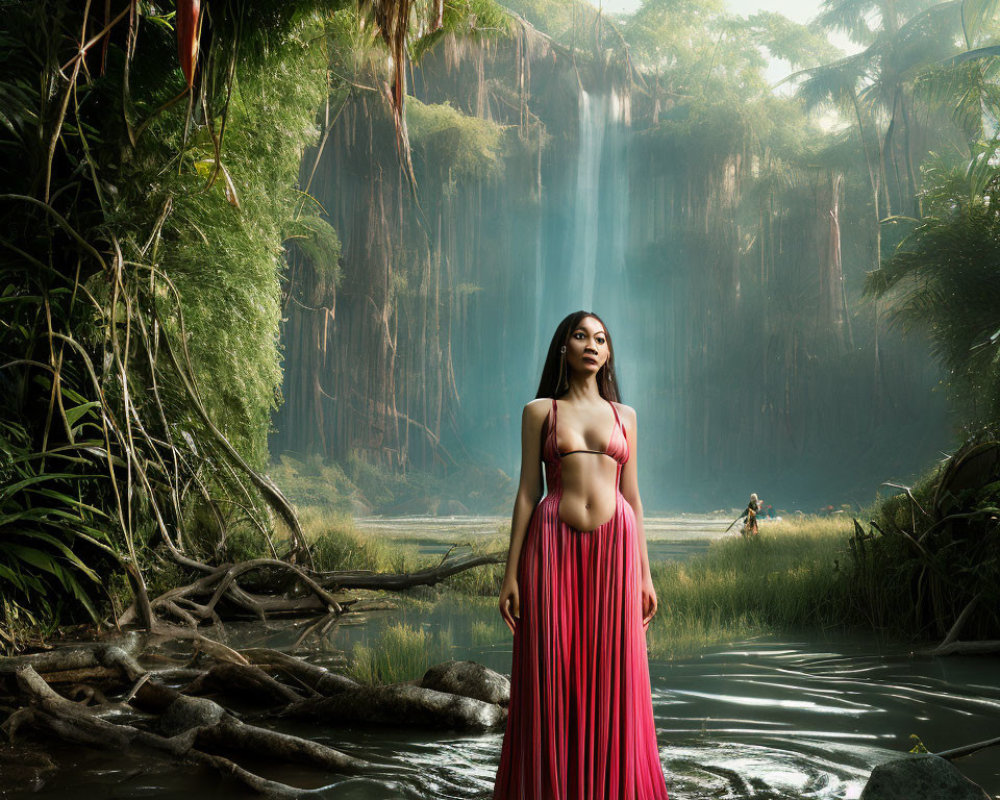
pixel 580 723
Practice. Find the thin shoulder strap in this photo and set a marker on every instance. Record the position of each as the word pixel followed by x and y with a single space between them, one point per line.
pixel 617 418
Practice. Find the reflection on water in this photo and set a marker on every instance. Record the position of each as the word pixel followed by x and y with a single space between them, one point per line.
pixel 789 717
pixel 779 718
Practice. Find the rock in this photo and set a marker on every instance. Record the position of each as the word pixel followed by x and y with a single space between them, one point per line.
pixel 469 679
pixel 923 776
pixel 454 508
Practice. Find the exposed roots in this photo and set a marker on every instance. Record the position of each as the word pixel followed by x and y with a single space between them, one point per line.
pixel 110 679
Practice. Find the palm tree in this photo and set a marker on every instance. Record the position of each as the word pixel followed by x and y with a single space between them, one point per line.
pixel 945 278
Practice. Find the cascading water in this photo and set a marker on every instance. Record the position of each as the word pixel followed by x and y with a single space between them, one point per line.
pixel 583 260
pixel 600 216
pixel 587 219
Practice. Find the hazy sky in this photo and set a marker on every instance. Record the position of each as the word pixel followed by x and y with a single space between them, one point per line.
pixel 798 10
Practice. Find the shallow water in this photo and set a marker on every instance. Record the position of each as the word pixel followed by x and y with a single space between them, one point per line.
pixel 783 717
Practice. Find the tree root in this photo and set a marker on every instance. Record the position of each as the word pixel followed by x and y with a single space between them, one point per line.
pixel 191 729
pixel 199 730
pixel 198 602
pixel 400 704
pixel 964 648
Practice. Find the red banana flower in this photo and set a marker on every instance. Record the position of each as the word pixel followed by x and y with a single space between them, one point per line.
pixel 187 36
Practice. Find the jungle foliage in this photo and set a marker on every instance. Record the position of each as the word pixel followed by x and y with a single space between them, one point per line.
pixel 140 263
pixel 154 244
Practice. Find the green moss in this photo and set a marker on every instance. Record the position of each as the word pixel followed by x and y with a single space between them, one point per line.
pixel 466 146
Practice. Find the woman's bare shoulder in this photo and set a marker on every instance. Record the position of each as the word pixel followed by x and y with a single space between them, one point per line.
pixel 537 408
pixel 626 411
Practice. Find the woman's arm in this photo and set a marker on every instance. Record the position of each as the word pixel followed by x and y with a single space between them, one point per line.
pixel 529 492
pixel 630 479
pixel 630 491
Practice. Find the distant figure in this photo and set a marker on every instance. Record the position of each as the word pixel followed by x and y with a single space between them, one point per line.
pixel 750 528
pixel 769 511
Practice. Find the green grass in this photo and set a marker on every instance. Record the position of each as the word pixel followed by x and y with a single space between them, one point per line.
pixel 795 575
pixel 401 653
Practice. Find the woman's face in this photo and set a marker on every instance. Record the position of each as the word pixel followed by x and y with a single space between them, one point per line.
pixel 587 349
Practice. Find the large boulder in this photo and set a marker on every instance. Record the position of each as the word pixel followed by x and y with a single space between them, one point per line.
pixel 469 679
pixel 920 777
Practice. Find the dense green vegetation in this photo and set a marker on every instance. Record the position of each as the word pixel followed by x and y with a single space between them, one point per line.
pixel 162 250
pixel 140 280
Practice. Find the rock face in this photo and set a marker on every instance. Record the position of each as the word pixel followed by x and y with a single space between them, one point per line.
pixel 469 679
pixel 923 776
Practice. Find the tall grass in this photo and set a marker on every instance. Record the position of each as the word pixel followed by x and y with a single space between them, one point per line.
pixel 401 653
pixel 796 574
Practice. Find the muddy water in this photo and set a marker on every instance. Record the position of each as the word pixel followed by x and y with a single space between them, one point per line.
pixel 786 717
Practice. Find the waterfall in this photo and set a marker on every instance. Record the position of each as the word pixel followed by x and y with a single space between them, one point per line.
pixel 600 213
pixel 582 236
pixel 586 220
pixel 596 278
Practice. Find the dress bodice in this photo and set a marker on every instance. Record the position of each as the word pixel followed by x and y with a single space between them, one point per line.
pixel 617 447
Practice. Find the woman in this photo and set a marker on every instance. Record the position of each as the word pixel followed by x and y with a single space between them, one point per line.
pixel 577 593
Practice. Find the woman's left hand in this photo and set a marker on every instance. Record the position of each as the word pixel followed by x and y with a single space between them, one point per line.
pixel 648 601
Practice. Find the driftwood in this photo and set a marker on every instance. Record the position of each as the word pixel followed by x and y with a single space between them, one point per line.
pixel 250 682
pixel 343 700
pixel 406 580
pixel 400 704
pixel 98 682
pixel 194 729
pixel 198 602
pixel 182 603
pixel 964 648
pixel 74 723
pixel 950 645
pixel 318 680
pixel 968 750
pixel 200 730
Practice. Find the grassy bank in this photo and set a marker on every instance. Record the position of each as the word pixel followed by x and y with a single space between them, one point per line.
pixel 795 575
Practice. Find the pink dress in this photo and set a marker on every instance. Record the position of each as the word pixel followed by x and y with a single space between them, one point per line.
pixel 580 724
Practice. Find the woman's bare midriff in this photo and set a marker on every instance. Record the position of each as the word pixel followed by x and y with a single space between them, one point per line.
pixel 589 495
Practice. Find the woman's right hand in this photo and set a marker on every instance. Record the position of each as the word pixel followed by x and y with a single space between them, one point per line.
pixel 510 603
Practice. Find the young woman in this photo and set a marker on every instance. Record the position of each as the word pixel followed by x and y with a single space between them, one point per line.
pixel 577 593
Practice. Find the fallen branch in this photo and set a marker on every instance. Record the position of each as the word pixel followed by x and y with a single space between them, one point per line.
pixel 182 602
pixel 192 727
pixel 400 704
pixel 405 580
pixel 968 750
pixel 964 648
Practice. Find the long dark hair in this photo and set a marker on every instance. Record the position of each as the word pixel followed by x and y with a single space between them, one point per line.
pixel 555 373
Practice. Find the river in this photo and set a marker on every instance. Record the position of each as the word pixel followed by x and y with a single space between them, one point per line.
pixel 791 716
